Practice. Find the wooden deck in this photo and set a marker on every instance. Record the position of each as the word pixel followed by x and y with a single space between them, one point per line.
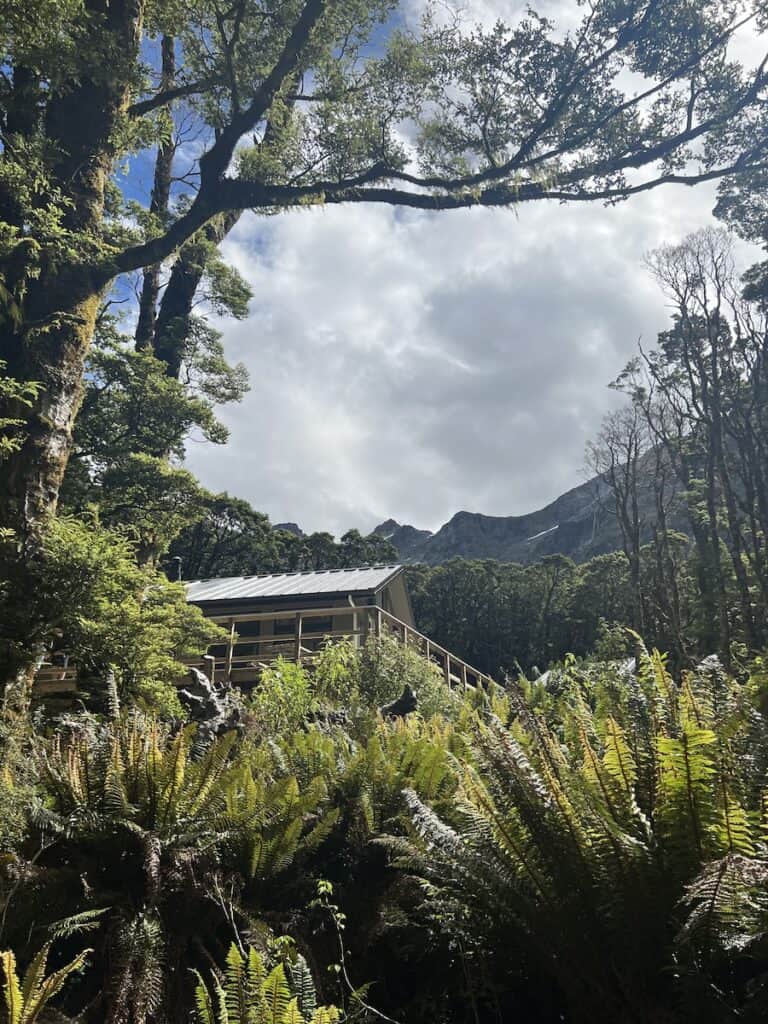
pixel 242 658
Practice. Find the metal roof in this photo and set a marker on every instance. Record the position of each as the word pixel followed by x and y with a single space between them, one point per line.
pixel 293 584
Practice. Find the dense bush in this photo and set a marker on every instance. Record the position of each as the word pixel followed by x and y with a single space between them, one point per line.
pixel 588 846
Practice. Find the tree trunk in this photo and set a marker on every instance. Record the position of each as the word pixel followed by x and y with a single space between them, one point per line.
pixel 30 478
pixel 172 325
pixel 161 194
pixel 58 316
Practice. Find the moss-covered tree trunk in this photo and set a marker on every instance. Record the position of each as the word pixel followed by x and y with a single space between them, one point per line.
pixel 45 337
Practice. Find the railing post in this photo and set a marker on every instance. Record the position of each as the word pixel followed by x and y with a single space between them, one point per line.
pixel 230 646
pixel 378 622
pixel 447 669
pixel 464 675
pixel 298 638
pixel 210 663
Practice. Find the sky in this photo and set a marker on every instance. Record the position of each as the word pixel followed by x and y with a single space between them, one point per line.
pixel 409 365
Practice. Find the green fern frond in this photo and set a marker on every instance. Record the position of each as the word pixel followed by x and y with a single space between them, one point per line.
pixel 302 985
pixel 293 1014
pixel 85 921
pixel 277 995
pixel 618 759
pixel 53 984
pixel 25 1001
pixel 236 986
pixel 204 1008
pixel 727 906
pixel 326 1015
pixel 14 1000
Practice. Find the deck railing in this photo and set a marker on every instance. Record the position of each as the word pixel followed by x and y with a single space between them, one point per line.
pixel 243 656
pixel 54 681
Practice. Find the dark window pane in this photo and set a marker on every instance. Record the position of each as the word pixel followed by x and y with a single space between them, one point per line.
pixel 317 625
pixel 248 628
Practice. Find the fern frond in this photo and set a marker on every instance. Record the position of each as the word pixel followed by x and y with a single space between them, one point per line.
pixel 14 1000
pixel 293 1014
pixel 236 986
pixel 204 1009
pixel 618 759
pixel 277 996
pixel 52 985
pixel 85 921
pixel 34 975
pixel 727 905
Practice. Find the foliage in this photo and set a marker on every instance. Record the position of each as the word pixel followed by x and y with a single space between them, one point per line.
pixel 22 393
pixel 688 451
pixel 283 699
pixel 115 616
pixel 136 417
pixel 231 538
pixel 26 999
pixel 158 831
pixel 500 615
pixel 634 800
pixel 539 819
pixel 248 995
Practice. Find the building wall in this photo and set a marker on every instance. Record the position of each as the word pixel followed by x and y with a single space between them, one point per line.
pixel 267 636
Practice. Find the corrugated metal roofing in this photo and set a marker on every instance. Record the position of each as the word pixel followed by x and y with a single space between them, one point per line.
pixel 292 584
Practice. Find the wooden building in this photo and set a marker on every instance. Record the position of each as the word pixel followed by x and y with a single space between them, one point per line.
pixel 293 615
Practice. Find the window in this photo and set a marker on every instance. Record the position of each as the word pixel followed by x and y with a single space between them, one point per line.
pixel 315 625
pixel 284 627
pixel 252 628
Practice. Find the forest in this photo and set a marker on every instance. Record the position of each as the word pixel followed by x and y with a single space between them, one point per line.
pixel 584 839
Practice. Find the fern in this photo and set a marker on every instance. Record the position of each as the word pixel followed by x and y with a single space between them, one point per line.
pixel 246 995
pixel 76 924
pixel 26 1000
pixel 277 996
pixel 204 1005
pixel 609 804
pixel 727 906
pixel 302 985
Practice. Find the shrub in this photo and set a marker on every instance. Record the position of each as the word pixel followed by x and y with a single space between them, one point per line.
pixel 115 616
pixel 283 700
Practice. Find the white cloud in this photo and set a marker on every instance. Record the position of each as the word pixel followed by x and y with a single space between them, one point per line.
pixel 410 365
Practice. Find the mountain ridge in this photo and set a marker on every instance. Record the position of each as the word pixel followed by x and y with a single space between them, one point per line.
pixel 578 524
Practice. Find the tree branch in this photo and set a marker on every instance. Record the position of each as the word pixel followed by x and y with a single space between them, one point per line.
pixel 166 96
pixel 215 162
pixel 550 116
